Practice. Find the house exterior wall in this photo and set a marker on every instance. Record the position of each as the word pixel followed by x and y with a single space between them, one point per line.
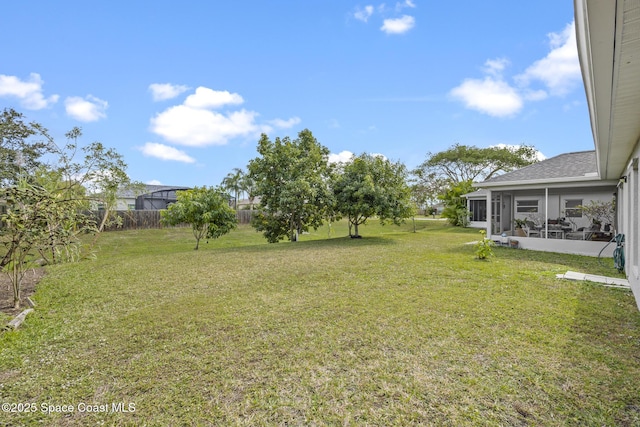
pixel 576 247
pixel 122 204
pixel 628 217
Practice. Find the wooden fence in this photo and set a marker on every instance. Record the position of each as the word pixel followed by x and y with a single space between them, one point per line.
pixel 129 220
pixel 244 216
pixel 135 220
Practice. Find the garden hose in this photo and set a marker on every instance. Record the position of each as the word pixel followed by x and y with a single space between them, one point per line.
pixel 618 252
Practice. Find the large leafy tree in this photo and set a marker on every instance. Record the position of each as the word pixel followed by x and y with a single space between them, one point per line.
pixel 206 209
pixel 449 174
pixel 373 186
pixel 467 163
pixel 292 179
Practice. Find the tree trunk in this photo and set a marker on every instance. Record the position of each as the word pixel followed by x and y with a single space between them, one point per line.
pixel 16 282
pixel 104 221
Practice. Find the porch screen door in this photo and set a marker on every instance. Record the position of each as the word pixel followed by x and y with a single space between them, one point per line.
pixel 496 214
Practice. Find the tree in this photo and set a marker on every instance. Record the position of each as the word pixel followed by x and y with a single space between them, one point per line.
pixel 248 185
pixel 449 174
pixel 22 146
pixel 455 209
pixel 292 179
pixel 45 200
pixel 372 186
pixel 38 219
pixel 206 209
pixel 467 163
pixel 102 171
pixel 426 189
pixel 233 182
pixel 65 216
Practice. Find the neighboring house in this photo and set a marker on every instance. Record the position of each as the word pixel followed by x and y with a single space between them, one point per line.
pixel 547 195
pixel 150 197
pixel 244 204
pixel 608 36
pixel 157 197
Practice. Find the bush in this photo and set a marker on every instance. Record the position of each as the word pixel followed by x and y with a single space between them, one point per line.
pixel 484 248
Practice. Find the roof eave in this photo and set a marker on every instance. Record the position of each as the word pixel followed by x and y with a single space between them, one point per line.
pixel 552 182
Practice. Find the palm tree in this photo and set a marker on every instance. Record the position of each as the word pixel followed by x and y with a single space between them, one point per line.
pixel 233 183
pixel 248 186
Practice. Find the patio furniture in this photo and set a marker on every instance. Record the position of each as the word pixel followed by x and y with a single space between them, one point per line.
pixel 583 233
pixel 531 229
pixel 554 233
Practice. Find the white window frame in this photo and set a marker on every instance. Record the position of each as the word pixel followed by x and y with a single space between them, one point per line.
pixel 573 211
pixel 526 206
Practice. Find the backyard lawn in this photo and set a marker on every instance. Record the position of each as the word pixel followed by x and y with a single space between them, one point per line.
pixel 396 328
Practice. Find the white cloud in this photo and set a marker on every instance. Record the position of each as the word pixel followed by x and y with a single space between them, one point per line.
pixel 198 127
pixel 495 67
pixel 209 98
pixel 341 157
pixel 28 92
pixel 164 91
pixel 285 124
pixel 154 182
pixel 398 25
pixel 195 124
pixel 347 156
pixel 404 4
pixel 535 95
pixel 89 109
pixel 363 14
pixel 491 96
pixel 559 71
pixel 164 152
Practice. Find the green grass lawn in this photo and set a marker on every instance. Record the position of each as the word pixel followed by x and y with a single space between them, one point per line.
pixel 396 328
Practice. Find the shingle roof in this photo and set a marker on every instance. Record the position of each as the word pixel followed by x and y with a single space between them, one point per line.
pixel 568 165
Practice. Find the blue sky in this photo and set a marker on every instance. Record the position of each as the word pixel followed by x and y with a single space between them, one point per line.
pixel 183 89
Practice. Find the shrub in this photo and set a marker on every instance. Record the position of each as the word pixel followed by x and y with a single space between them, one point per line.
pixel 484 248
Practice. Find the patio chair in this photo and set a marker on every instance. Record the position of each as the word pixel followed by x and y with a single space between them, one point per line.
pixel 531 229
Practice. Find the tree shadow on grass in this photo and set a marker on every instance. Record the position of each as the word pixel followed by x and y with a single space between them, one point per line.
pixel 310 245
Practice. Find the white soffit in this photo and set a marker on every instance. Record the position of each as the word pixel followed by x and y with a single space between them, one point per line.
pixel 608 34
pixel 626 104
